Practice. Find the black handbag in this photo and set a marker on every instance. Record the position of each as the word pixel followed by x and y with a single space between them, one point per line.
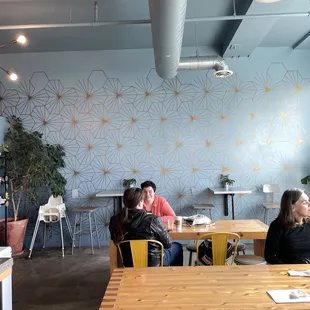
pixel 205 252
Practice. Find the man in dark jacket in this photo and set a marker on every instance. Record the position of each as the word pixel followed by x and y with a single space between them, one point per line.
pixel 133 223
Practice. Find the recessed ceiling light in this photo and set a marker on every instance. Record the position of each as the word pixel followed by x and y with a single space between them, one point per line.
pixel 267 1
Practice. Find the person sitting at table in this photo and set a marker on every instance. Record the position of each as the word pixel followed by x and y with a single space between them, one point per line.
pixel 288 237
pixel 134 223
pixel 156 204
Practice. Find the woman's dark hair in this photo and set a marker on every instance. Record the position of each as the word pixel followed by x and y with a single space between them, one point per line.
pixel 131 198
pixel 147 184
pixel 286 214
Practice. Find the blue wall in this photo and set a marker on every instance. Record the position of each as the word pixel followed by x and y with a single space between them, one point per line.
pixel 117 119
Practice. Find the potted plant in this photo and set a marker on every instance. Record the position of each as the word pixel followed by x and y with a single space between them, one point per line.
pixel 127 183
pixel 31 165
pixel 226 181
pixel 305 180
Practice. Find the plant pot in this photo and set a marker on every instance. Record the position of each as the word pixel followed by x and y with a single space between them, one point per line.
pixel 226 186
pixel 130 186
pixel 16 234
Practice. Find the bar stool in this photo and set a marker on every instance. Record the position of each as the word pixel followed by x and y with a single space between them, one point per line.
pixel 204 206
pixel 270 190
pixel 249 260
pixel 81 211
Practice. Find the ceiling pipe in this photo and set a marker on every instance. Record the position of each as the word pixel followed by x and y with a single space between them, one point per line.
pixel 167 23
pixel 148 21
pixel 206 63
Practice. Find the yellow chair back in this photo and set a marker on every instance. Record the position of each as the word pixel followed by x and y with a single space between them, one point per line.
pixel 219 246
pixel 139 252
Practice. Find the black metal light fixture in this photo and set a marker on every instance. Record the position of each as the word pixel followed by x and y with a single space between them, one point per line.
pixel 20 40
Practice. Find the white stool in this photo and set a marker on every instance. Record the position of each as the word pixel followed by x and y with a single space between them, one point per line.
pixel 82 211
pixel 52 212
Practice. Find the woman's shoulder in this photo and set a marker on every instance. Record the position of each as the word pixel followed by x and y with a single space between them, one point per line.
pixel 276 224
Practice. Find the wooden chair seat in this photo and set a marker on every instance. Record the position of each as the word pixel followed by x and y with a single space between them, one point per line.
pixel 240 248
pixel 270 205
pixel 191 247
pixel 249 260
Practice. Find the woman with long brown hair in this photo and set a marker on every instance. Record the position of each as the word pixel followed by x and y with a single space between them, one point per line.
pixel 288 238
pixel 133 223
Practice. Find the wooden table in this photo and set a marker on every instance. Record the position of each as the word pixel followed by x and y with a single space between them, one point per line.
pixel 213 287
pixel 6 283
pixel 229 192
pixel 247 229
pixel 116 194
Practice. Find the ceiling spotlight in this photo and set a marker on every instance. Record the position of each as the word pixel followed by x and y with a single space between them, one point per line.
pixel 12 76
pixel 267 1
pixel 21 39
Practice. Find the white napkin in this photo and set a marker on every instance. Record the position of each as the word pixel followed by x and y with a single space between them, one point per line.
pixel 289 296
pixel 294 273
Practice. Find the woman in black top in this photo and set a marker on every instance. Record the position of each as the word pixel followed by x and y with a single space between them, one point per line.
pixel 133 223
pixel 288 238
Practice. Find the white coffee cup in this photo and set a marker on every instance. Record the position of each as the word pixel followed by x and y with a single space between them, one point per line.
pixel 178 222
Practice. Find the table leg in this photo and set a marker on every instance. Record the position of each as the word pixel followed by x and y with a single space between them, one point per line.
pixel 6 291
pixel 259 247
pixel 113 257
pixel 232 206
pixel 225 204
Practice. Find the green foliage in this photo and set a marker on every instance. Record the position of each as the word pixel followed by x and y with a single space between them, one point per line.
pixel 32 164
pixel 224 179
pixel 305 180
pixel 129 182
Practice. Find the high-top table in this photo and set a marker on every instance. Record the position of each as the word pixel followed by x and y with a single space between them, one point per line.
pixel 247 229
pixel 204 287
pixel 229 192
pixel 116 194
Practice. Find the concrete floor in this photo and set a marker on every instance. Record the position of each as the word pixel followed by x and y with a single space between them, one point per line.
pixel 48 281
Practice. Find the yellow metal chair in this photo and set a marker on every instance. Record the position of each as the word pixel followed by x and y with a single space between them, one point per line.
pixel 139 252
pixel 219 247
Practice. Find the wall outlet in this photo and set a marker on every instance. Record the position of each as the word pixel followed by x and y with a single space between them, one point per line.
pixel 75 193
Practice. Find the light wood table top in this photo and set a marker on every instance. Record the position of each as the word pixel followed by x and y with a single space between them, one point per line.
pixel 215 287
pixel 247 229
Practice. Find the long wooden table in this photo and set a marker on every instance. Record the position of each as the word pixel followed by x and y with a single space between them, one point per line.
pixel 247 229
pixel 212 287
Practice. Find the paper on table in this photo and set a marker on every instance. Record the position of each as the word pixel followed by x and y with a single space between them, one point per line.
pixel 289 296
pixel 294 273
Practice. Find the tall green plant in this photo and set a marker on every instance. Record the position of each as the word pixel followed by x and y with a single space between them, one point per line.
pixel 31 164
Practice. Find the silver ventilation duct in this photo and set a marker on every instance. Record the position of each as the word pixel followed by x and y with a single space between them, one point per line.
pixel 206 63
pixel 167 22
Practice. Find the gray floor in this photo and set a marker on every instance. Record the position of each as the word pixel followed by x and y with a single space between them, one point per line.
pixel 49 282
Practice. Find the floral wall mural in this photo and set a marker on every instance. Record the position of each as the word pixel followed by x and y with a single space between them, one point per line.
pixel 181 133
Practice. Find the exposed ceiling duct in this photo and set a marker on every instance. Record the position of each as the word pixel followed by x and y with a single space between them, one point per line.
pixel 167 22
pixel 206 63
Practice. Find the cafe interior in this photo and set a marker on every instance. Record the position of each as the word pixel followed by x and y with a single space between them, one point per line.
pixel 207 99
